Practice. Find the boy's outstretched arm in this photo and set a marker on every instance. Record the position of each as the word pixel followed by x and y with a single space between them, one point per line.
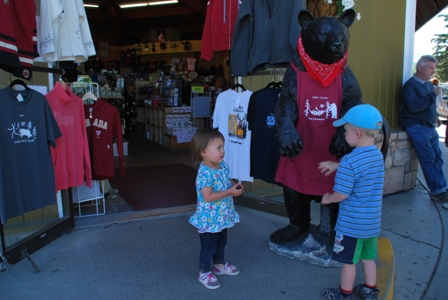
pixel 328 167
pixel 335 197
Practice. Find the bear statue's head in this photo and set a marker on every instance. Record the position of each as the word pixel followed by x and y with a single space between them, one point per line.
pixel 326 39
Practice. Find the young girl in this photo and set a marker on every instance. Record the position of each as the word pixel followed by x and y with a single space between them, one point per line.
pixel 215 211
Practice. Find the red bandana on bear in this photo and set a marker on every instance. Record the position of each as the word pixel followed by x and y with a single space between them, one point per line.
pixel 324 74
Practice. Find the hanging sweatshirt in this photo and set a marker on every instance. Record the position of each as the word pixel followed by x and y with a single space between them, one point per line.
pixel 71 157
pixel 18 37
pixel 219 25
pixel 9 58
pixel 265 34
pixel 64 31
pixel 103 125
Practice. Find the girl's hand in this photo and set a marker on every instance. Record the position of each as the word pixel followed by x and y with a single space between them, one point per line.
pixel 236 189
pixel 328 167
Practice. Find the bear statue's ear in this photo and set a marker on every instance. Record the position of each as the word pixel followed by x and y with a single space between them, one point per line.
pixel 348 17
pixel 305 17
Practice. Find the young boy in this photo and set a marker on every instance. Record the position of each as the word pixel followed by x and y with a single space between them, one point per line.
pixel 358 189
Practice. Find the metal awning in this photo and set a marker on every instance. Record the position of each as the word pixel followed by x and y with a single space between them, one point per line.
pixel 427 9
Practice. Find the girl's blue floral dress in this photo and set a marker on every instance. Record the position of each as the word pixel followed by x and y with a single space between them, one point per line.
pixel 217 215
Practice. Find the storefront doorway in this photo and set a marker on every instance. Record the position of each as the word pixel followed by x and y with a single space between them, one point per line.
pixel 141 152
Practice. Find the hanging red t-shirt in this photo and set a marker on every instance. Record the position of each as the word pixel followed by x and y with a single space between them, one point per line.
pixel 318 107
pixel 103 125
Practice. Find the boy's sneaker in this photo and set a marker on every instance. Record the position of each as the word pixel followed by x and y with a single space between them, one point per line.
pixel 209 280
pixel 365 292
pixel 335 294
pixel 226 269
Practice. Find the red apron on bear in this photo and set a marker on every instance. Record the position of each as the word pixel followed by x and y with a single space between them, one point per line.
pixel 318 107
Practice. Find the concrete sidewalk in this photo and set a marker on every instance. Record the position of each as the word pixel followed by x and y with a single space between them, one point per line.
pixel 138 257
pixel 154 255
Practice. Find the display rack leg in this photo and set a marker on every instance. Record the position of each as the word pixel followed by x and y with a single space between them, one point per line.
pixel 2 262
pixel 25 254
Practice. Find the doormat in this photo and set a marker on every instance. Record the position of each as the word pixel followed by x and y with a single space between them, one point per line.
pixel 157 186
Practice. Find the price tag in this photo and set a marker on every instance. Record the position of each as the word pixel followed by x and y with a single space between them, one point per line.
pixel 237 102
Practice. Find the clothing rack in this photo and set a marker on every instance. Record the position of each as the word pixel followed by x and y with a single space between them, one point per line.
pixel 48 70
pixel 3 260
pixel 273 72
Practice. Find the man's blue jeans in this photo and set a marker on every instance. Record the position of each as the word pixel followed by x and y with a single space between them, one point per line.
pixel 426 143
pixel 212 248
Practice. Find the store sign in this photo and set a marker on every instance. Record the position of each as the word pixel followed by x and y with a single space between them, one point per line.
pixel 197 88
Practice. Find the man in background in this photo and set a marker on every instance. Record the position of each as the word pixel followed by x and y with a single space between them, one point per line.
pixel 418 117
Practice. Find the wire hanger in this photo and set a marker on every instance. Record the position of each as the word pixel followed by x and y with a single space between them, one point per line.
pixel 274 84
pixel 271 84
pixel 18 82
pixel 238 85
pixel 89 96
pixel 61 81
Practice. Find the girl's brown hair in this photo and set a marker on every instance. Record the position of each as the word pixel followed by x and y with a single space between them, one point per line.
pixel 200 141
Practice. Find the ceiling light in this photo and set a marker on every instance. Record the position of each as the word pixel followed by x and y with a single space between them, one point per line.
pixel 91 5
pixel 133 5
pixel 140 4
pixel 163 2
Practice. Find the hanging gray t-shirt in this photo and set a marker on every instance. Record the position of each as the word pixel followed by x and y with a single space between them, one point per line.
pixel 27 129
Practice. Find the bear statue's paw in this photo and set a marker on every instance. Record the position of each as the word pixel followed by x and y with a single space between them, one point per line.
pixel 290 145
pixel 338 145
pixel 287 234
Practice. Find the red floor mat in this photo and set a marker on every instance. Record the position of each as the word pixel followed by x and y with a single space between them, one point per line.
pixel 157 186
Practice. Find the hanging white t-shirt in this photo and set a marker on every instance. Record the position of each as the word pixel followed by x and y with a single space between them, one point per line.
pixel 64 31
pixel 230 117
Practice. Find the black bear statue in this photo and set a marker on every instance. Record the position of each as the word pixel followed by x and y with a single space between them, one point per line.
pixel 318 88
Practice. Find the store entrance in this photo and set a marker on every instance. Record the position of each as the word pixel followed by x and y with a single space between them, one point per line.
pixel 141 152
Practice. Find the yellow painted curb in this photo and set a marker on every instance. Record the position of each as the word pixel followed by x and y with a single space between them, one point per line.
pixel 386 269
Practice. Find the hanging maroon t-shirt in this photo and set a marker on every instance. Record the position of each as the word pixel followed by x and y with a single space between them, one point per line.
pixel 318 107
